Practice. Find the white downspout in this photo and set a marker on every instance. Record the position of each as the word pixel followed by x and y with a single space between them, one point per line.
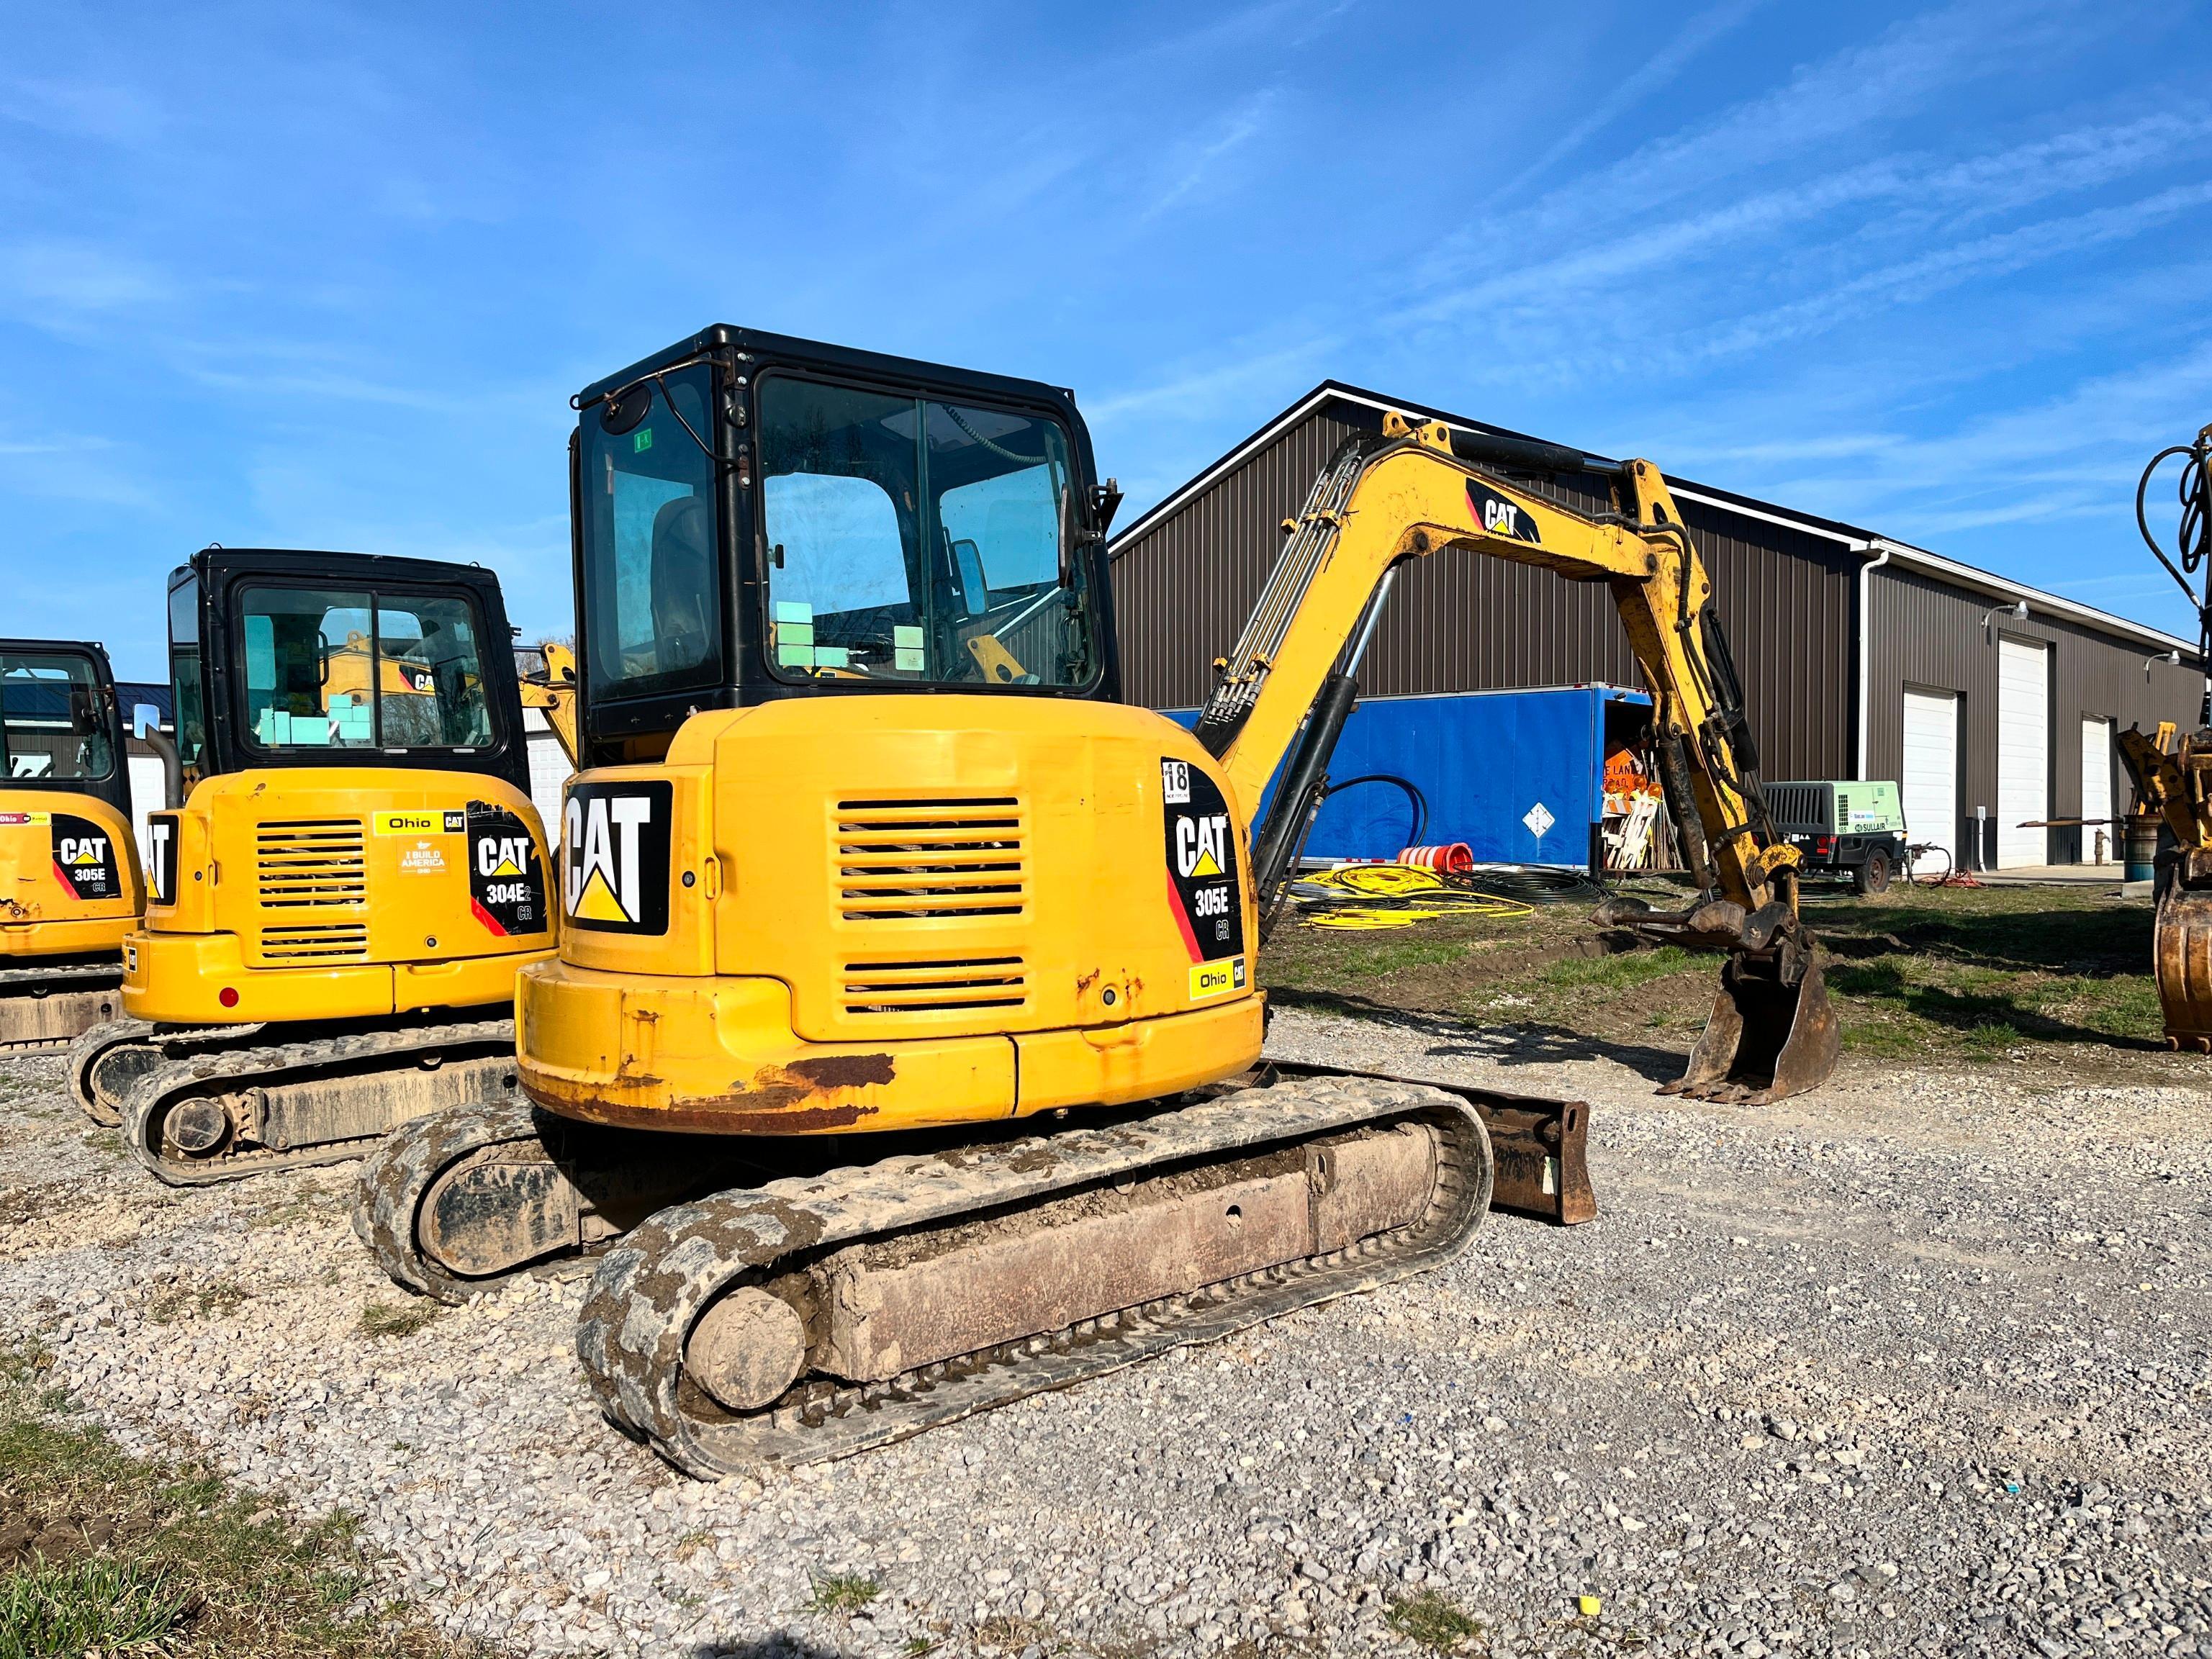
pixel 1866 649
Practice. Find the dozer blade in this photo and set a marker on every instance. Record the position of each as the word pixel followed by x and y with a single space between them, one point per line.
pixel 1539 1145
pixel 1767 1038
pixel 2181 949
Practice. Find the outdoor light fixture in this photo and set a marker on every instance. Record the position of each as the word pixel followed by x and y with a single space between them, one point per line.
pixel 2017 608
pixel 2171 658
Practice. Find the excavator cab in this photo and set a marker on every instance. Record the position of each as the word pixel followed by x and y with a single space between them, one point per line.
pixel 774 519
pixel 339 904
pixel 70 886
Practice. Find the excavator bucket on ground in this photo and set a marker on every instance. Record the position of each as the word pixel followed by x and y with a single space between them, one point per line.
pixel 2174 785
pixel 1772 1033
pixel 2181 947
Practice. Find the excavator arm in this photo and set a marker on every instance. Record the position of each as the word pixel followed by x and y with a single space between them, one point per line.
pixel 2174 784
pixel 554 694
pixel 1282 696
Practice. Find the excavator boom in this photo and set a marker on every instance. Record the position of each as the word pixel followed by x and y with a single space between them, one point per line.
pixel 1424 489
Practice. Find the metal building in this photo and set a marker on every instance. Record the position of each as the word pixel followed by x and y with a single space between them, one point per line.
pixel 1861 656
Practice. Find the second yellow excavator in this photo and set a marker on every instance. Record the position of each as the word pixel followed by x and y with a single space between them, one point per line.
pixel 932 964
pixel 70 882
pixel 339 907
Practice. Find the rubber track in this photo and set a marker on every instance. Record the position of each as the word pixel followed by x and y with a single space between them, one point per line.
pixel 399 1173
pixel 172 1041
pixel 75 976
pixel 269 1065
pixel 652 1285
pixel 83 975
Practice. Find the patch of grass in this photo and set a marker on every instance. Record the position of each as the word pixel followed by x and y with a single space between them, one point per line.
pixel 1005 1632
pixel 90 1606
pixel 1917 976
pixel 843 1592
pixel 180 1302
pixel 1624 972
pixel 381 1319
pixel 116 1554
pixel 1981 976
pixel 1379 961
pixel 1433 1621
pixel 305 1205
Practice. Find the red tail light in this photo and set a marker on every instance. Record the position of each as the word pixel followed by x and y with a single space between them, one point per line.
pixel 1824 845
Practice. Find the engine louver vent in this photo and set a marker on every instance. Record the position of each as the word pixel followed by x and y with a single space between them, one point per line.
pixel 907 987
pixel 323 941
pixel 310 862
pixel 902 859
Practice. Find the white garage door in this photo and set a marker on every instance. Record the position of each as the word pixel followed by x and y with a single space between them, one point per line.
pixel 1930 786
pixel 2097 789
pixel 2023 753
pixel 148 784
pixel 548 771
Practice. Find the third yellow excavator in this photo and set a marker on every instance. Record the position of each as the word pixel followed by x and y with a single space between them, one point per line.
pixel 887 920
pixel 2173 779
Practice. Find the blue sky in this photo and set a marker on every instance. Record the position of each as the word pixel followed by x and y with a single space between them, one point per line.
pixel 324 276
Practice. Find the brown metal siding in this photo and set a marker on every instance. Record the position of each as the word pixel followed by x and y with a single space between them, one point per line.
pixel 1929 635
pixel 1460 622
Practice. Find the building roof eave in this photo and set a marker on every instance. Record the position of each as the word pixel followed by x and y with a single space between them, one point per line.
pixel 1866 544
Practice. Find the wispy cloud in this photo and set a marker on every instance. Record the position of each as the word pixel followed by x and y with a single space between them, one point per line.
pixel 52 280
pixel 81 108
pixel 1656 71
pixel 1195 166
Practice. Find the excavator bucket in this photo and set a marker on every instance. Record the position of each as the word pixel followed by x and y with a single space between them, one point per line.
pixel 1766 1040
pixel 2181 948
pixel 1772 1033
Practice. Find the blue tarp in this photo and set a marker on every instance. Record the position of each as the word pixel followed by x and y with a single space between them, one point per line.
pixel 1485 760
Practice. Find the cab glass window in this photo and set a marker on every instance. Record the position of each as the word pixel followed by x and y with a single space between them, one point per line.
pixel 184 672
pixel 53 718
pixel 328 668
pixel 916 539
pixel 652 578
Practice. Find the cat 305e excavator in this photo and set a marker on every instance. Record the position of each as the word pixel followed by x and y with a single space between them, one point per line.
pixel 873 849
pixel 69 884
pixel 338 909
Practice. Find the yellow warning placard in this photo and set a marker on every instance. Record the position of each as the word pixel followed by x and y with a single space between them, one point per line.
pixel 1216 978
pixel 421 823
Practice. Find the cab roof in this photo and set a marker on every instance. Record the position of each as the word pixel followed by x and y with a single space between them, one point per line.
pixel 873 365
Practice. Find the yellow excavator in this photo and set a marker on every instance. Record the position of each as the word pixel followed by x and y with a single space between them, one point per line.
pixel 69 883
pixel 886 920
pixel 2173 779
pixel 337 910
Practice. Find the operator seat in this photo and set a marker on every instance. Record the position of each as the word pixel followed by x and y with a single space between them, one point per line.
pixel 684 586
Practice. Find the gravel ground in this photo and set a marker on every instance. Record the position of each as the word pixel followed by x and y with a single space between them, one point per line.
pixel 1917 1366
